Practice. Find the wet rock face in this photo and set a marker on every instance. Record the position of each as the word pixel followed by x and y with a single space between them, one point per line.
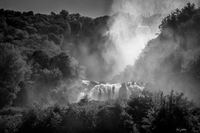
pixel 102 92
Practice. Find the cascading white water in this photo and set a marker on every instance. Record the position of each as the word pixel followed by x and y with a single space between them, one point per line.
pixel 104 92
pixel 132 24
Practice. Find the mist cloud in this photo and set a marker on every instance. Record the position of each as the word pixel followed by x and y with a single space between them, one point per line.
pixel 132 25
pixel 170 60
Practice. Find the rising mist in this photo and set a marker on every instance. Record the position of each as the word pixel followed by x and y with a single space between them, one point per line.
pixel 169 60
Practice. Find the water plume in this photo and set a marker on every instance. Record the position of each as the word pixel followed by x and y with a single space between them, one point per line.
pixel 132 25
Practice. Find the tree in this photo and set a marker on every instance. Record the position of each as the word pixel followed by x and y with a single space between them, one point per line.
pixel 114 119
pixel 64 13
pixel 12 69
pixel 171 116
pixel 178 16
pixel 66 64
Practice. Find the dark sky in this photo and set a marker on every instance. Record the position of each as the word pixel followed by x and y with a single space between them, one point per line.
pixel 91 8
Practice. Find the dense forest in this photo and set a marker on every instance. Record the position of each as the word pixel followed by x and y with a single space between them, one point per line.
pixel 37 53
pixel 42 62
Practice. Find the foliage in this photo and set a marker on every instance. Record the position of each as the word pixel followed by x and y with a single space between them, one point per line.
pixel 179 16
pixel 41 45
pixel 13 70
pixel 171 113
pixel 34 62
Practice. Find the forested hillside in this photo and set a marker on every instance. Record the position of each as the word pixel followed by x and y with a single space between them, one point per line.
pixel 43 59
pixel 39 51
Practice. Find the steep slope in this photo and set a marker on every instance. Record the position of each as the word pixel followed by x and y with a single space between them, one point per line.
pixel 44 54
pixel 171 61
